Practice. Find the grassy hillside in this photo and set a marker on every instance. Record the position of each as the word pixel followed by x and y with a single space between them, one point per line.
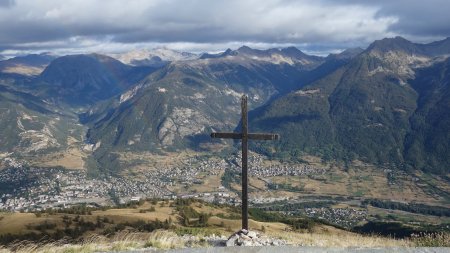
pixel 31 126
pixel 165 224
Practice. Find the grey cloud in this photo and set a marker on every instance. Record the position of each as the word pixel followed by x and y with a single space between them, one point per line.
pixel 186 20
pixel 7 3
pixel 329 24
pixel 271 21
pixel 420 18
pixel 27 32
pixel 417 18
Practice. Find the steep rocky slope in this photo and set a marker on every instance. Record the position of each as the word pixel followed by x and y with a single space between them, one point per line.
pixel 368 108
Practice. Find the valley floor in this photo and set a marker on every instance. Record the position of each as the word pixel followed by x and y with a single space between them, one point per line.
pixel 312 203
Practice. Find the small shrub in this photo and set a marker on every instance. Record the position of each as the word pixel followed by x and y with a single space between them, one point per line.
pixel 193 231
pixel 152 244
pixel 440 239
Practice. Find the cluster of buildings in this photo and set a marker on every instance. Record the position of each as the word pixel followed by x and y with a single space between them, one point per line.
pixel 345 217
pixel 187 174
pixel 24 188
pixel 258 169
pixel 35 189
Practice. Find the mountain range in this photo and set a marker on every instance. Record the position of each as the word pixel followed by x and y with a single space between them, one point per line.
pixel 387 105
pixel 154 58
pixel 27 65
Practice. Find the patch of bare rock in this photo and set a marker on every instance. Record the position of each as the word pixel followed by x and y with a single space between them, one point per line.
pixel 251 238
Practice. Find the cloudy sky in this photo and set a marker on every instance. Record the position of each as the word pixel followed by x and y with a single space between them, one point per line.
pixel 319 26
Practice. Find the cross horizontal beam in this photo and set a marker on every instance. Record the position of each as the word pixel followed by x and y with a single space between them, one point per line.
pixel 261 136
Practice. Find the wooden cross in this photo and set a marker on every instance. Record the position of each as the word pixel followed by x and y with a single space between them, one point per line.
pixel 245 136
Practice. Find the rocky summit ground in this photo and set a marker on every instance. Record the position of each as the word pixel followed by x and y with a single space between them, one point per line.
pixel 295 249
pixel 251 238
pixel 254 242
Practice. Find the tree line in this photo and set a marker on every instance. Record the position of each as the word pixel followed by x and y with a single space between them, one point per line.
pixel 409 207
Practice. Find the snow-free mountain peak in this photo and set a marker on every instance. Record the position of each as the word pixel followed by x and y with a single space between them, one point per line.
pixel 86 78
pixel 155 57
pixel 27 65
pixel 290 55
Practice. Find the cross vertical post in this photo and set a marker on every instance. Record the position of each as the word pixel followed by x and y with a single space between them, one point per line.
pixel 244 163
pixel 245 136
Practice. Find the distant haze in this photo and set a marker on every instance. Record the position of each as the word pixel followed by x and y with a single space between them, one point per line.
pixel 318 27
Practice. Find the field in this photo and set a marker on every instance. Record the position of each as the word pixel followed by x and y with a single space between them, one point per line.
pixel 370 182
pixel 142 161
pixel 357 179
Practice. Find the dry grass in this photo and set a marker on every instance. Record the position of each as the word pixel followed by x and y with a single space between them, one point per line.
pixel 120 242
pixel 170 240
pixel 257 184
pixel 151 161
pixel 71 158
pixel 431 240
pixel 130 214
pixel 274 228
pixel 342 240
pixel 165 240
pixel 327 236
pixel 321 235
pixel 208 209
pixel 368 181
pixel 209 183
pixel 17 222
